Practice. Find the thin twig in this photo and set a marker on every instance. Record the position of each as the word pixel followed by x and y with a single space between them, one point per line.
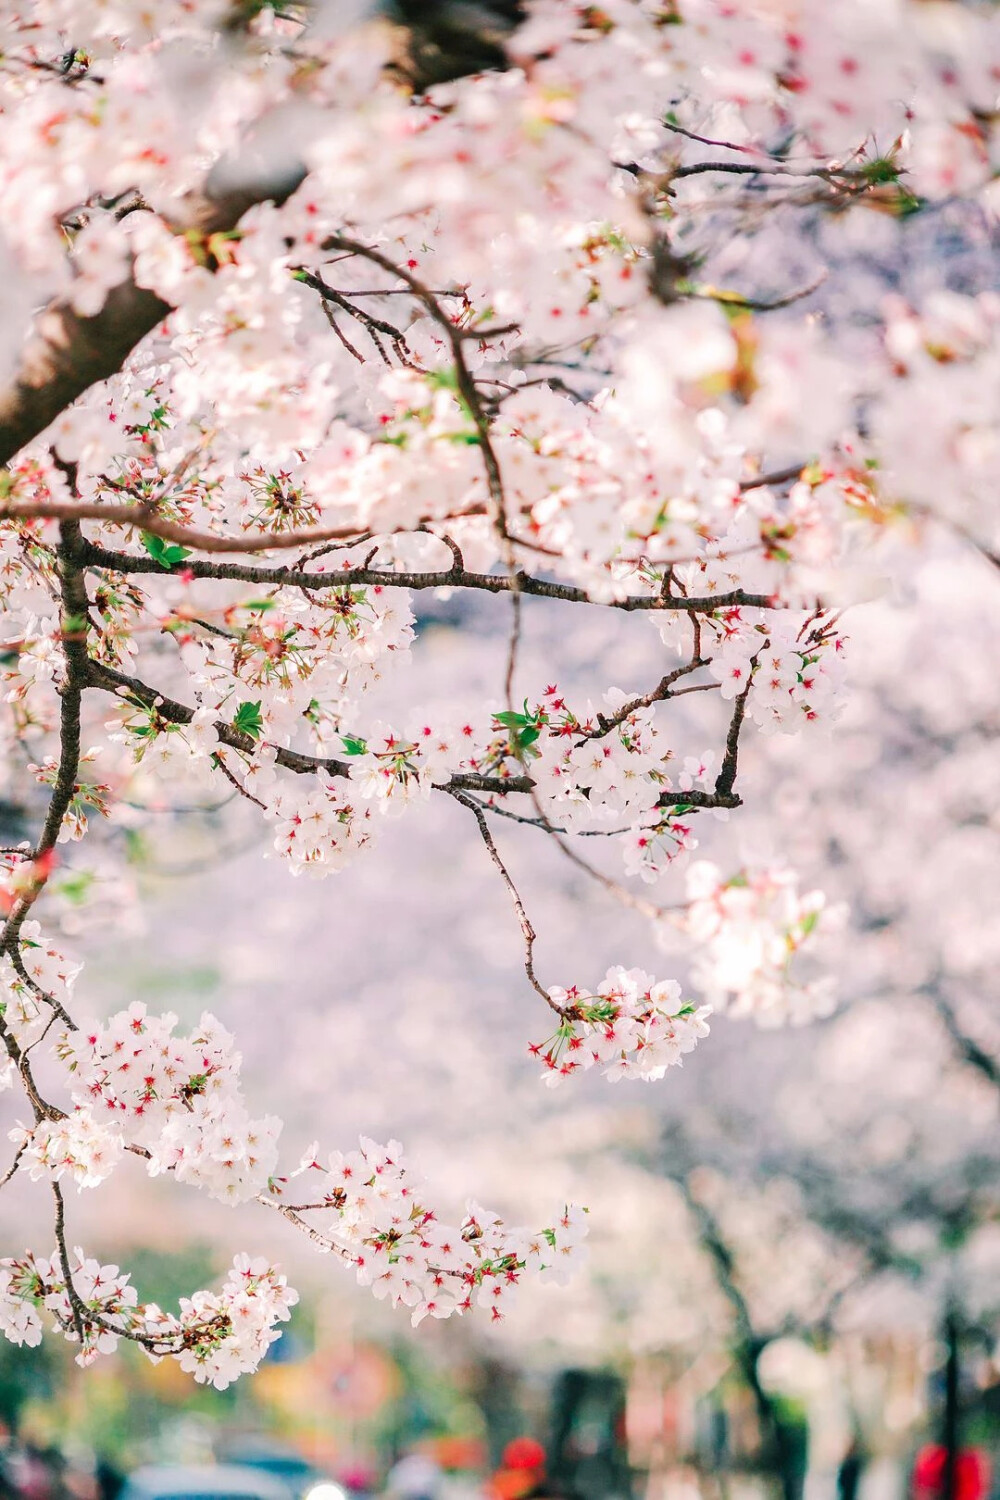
pixel 662 691
pixel 527 931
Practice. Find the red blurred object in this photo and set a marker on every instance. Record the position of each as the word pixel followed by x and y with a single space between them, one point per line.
pixel 521 1469
pixel 523 1453
pixel 972 1473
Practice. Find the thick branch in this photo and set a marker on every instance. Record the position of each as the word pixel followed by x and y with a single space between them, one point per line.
pixel 726 779
pixel 67 354
pixel 75 606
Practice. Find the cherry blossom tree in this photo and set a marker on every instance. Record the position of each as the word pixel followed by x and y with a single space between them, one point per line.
pixel 311 311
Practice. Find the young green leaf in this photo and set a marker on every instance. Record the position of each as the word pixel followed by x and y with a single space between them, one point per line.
pixel 167 554
pixel 248 720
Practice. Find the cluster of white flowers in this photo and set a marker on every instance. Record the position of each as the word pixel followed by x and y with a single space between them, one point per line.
pixel 318 829
pixel 227 1333
pixel 942 360
pixel 390 770
pixel 216 1337
pixel 633 1027
pixel 299 660
pixel 749 929
pixel 75 1145
pixel 26 1012
pixel 588 777
pixel 795 666
pixel 178 1098
pixel 39 657
pixel 404 1252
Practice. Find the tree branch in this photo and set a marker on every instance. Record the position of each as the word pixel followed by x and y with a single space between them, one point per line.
pixel 66 354
pixel 726 778
pixel 74 625
pixel 527 931
pixel 93 555
pixel 110 680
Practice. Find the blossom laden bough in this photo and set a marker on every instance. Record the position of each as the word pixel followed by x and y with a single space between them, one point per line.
pixel 216 1336
pixel 402 1251
pixel 633 1027
pixel 323 336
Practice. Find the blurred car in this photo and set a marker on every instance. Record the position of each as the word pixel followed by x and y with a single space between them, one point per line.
pixel 204 1482
pixel 281 1461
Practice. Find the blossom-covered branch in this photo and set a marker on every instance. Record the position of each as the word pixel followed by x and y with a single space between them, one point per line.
pixel 508 362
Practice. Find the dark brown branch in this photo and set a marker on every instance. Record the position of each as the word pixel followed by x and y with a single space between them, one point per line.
pixel 74 624
pixel 759 304
pixel 726 779
pixel 12 1169
pixel 966 1046
pixel 740 169
pixel 79 1312
pixel 235 781
pixel 40 1109
pixel 92 555
pixel 67 353
pixel 110 680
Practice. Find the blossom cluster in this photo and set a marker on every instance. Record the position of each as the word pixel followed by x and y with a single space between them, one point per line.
pixel 216 1336
pixel 633 1027
pixel 372 1215
pixel 941 360
pixel 749 929
pixel 790 668
pixel 31 990
pixel 833 79
pixel 175 1098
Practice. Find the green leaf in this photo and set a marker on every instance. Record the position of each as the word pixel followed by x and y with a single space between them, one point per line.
pixel 76 887
pixel 352 745
pixel 167 554
pixel 248 720
pixel 879 171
